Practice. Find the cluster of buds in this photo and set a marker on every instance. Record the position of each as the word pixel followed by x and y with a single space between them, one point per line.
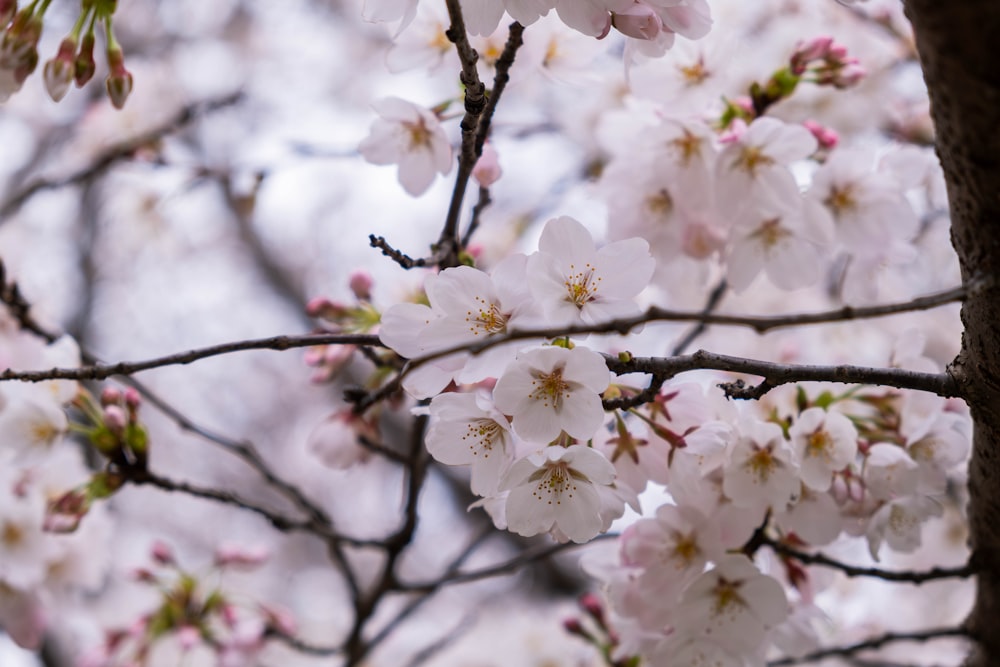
pixel 594 629
pixel 193 614
pixel 337 317
pixel 73 62
pixel 115 430
pixel 826 62
pixel 19 45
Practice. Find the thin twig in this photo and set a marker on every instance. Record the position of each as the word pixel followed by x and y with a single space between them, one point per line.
pixel 713 301
pixel 142 477
pixel 104 371
pixel 775 374
pixel 506 567
pixel 121 151
pixel 869 644
pixel 911 576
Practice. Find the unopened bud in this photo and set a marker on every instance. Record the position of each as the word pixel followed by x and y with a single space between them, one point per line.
pixel 133 399
pixel 85 66
pixel 827 138
pixel 239 556
pixel 111 396
pixel 487 170
pixel 162 553
pixel 115 419
pixel 59 71
pixel 188 637
pixel 361 281
pixel 7 10
pixel 119 81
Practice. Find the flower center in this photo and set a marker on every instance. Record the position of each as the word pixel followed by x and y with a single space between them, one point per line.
pixel 420 136
pixel 689 146
pixel 660 203
pixel 752 158
pixel 818 444
pixel 550 388
pixel 694 74
pixel 685 550
pixel 581 286
pixel 840 200
pixel 761 464
pixel 481 435
pixel 488 319
pixel 771 232
pixel 727 596
pixel 555 480
pixel 11 535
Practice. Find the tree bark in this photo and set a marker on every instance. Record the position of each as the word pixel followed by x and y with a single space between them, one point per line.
pixel 958 42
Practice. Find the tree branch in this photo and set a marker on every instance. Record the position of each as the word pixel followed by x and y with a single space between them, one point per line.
pixel 118 152
pixel 913 577
pixel 104 371
pixel 775 374
pixel 142 477
pixel 869 644
pixel 506 567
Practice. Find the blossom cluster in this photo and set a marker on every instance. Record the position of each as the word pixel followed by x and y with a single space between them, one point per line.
pixel 546 456
pixel 74 61
pixel 41 567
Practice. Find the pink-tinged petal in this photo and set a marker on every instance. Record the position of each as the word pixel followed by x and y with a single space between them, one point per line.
pixel 565 237
pixel 626 268
pixel 401 326
pixel 588 368
pixel 578 515
pixel 482 16
pixel 581 415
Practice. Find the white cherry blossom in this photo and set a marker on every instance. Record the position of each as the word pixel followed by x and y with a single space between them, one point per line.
pixel 575 282
pixel 824 442
pixel 760 472
pixel 557 490
pixel 785 239
pixel 466 429
pixel 410 136
pixel 733 605
pixel 551 390
pixel 900 522
pixel 755 165
pixel 890 472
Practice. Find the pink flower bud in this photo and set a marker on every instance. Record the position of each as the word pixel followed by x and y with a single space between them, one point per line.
pixel 487 170
pixel 592 605
pixel 115 419
pixel 805 53
pixel 361 281
pixel 640 21
pixel 59 71
pixel 7 10
pixel 240 556
pixel 162 553
pixel 827 137
pixel 188 637
pixel 849 75
pixel 111 396
pixel 323 308
pixel 85 66
pixel 119 81
pixel 19 46
pixel 133 399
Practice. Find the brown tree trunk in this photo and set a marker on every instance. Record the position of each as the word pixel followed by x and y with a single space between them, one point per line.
pixel 959 46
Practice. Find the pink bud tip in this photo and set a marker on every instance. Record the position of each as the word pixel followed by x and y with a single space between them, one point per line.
pixel 111 396
pixel 162 553
pixel 361 282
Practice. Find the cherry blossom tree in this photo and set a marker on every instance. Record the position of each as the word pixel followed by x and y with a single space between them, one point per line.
pixel 499 400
